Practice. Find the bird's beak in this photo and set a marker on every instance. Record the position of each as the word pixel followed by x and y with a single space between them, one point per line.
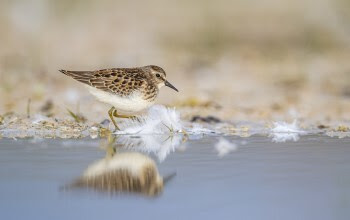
pixel 168 84
pixel 166 179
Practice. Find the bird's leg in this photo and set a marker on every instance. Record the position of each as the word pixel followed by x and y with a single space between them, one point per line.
pixel 115 114
pixel 112 112
pixel 110 148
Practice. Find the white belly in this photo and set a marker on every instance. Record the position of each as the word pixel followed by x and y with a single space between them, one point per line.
pixel 131 104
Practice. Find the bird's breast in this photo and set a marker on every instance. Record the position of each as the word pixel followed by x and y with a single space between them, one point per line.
pixel 135 102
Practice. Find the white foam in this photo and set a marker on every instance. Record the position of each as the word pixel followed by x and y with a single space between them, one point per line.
pixel 224 147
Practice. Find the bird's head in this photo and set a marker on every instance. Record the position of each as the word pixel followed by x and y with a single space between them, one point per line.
pixel 158 76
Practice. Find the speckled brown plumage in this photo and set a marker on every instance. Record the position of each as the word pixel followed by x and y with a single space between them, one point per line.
pixel 120 81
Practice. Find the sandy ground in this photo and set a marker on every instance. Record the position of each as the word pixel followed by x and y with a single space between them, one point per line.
pixel 246 65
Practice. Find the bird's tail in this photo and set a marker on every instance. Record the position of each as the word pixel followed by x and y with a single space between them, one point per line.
pixel 81 76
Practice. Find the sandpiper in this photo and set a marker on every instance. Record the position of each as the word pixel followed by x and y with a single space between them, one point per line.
pixel 129 90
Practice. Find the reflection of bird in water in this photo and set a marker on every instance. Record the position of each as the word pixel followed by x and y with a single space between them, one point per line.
pixel 124 172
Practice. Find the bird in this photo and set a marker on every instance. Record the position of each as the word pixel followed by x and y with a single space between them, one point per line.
pixel 127 90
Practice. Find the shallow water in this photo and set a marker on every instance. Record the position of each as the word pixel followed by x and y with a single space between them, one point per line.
pixel 307 179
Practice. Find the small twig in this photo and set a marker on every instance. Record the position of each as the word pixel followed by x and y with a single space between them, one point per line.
pixel 171 129
pixel 28 108
pixel 78 118
pixel 170 136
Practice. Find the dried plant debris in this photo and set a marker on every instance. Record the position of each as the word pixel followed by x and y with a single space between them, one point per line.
pixel 322 126
pixel 47 108
pixel 158 120
pixel 41 126
pixel 342 128
pixel 77 116
pixel 28 107
pixel 208 119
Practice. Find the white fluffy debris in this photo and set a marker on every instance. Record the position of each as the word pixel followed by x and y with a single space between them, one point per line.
pixel 159 145
pixel 283 131
pixel 284 127
pixel 224 147
pixel 159 120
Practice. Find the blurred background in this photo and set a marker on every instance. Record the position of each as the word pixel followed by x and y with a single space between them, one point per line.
pixel 236 59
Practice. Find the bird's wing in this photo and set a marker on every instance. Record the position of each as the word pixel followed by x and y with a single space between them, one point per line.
pixel 117 80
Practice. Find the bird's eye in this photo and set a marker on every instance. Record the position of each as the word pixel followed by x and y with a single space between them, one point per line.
pixel 157 75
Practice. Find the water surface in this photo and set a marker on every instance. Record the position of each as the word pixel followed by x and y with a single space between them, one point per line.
pixel 307 179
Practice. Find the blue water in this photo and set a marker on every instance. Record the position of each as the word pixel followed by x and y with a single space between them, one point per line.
pixel 307 179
